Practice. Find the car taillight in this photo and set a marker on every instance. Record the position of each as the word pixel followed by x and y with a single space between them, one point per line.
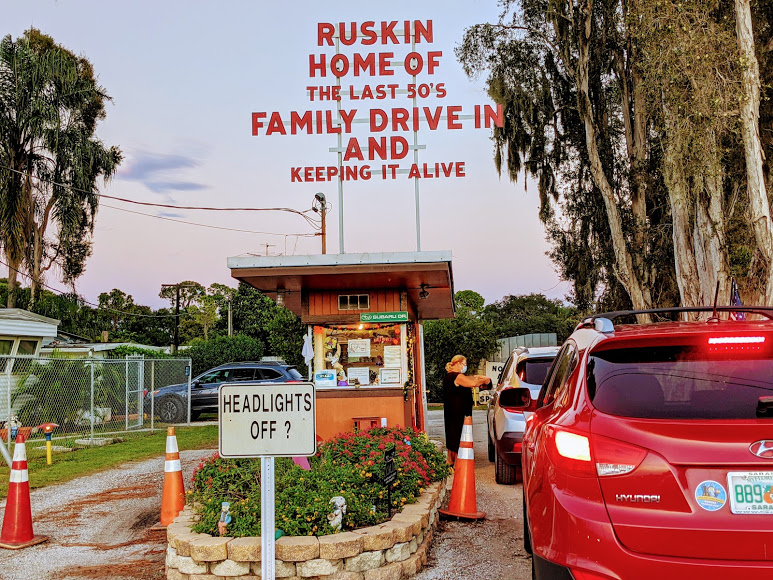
pixel 614 457
pixel 570 451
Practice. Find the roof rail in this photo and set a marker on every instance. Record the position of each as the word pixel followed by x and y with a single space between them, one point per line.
pixel 765 311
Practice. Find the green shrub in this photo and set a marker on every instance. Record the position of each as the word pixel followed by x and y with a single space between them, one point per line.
pixel 221 350
pixel 350 465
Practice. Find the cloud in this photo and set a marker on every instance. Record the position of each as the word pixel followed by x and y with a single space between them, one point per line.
pixel 170 214
pixel 161 186
pixel 159 172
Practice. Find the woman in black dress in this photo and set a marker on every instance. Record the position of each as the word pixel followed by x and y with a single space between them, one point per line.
pixel 457 401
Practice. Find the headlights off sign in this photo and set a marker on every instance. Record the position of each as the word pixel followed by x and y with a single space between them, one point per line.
pixel 375 85
pixel 267 420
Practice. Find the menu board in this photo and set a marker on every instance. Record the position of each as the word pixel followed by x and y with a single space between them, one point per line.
pixel 392 356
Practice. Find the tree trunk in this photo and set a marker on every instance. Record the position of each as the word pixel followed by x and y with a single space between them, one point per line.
pixel 684 255
pixel 700 250
pixel 624 266
pixel 709 241
pixel 37 256
pixel 759 205
pixel 12 284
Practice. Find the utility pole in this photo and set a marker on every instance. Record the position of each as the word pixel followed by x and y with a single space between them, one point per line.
pixel 230 317
pixel 322 209
pixel 176 317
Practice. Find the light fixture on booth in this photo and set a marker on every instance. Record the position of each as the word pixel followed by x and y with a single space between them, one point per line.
pixel 280 297
pixel 423 294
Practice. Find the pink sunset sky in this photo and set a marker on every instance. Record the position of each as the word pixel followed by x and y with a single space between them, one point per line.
pixel 186 77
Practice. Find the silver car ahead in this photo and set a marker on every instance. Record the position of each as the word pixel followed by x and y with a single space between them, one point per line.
pixel 526 367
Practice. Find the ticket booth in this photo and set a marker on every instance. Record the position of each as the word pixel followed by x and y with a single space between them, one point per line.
pixel 364 315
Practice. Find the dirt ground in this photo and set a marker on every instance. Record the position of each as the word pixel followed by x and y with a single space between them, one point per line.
pixel 490 549
pixel 99 526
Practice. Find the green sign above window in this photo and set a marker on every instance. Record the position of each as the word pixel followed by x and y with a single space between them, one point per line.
pixel 383 317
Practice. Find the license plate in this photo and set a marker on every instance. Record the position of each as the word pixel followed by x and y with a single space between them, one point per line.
pixel 750 492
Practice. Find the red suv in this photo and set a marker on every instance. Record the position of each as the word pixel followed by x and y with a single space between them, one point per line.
pixel 650 452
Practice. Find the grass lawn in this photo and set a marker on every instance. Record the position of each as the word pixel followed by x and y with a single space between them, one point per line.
pixel 133 447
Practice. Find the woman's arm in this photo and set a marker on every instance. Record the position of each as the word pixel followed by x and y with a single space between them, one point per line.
pixel 467 381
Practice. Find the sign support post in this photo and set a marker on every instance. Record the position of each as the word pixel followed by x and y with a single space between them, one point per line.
pixel 265 421
pixel 267 519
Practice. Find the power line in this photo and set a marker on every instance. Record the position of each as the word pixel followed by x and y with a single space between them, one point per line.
pixel 202 225
pixel 97 306
pixel 164 205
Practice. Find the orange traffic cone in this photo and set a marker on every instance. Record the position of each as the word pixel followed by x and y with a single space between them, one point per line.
pixel 17 523
pixel 463 503
pixel 173 496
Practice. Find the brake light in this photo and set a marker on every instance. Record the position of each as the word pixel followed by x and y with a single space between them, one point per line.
pixel 614 457
pixel 735 344
pixel 736 339
pixel 570 452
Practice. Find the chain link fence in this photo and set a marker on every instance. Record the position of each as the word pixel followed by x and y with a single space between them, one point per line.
pixel 88 398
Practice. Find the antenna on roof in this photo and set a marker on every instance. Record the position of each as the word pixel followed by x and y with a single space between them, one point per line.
pixel 714 317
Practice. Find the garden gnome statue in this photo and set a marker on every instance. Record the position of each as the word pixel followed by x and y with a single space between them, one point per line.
pixel 339 510
pixel 225 518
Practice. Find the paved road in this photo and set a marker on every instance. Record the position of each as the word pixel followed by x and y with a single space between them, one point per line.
pixel 98 526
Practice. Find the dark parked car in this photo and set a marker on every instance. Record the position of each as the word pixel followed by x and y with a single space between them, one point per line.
pixel 170 403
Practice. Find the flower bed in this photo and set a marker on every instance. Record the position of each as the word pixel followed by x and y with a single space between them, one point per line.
pixel 388 551
pixel 350 465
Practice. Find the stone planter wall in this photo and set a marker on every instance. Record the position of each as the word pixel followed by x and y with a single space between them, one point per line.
pixel 390 551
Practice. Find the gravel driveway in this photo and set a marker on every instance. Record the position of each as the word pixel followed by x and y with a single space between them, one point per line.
pixel 99 526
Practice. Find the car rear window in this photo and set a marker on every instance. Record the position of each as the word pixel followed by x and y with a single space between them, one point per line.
pixel 534 370
pixel 294 374
pixel 680 382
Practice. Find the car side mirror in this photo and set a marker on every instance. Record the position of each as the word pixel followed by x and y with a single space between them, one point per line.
pixel 515 398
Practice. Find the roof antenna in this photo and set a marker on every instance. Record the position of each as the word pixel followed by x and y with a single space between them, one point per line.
pixel 714 317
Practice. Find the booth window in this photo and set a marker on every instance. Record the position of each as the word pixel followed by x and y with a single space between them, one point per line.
pixel 353 302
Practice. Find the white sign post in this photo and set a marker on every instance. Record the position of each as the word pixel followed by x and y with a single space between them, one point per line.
pixel 267 420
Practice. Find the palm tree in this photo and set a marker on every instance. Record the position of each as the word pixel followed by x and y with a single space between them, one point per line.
pixel 50 160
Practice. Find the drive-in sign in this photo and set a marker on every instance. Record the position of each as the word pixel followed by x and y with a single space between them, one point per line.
pixel 267 419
